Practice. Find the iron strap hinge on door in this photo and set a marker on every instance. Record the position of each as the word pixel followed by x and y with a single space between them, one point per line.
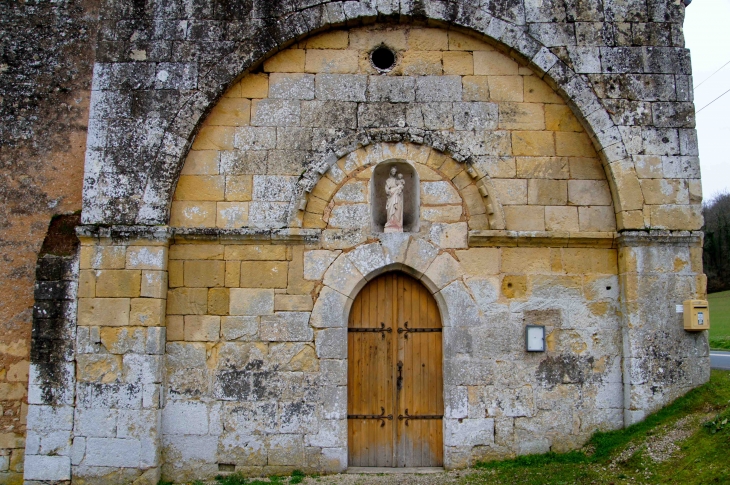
pixel 408 417
pixel 382 329
pixel 407 330
pixel 382 417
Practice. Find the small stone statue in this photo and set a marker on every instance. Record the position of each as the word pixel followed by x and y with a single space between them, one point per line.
pixel 394 187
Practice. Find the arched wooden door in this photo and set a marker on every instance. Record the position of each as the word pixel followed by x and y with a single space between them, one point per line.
pixel 395 383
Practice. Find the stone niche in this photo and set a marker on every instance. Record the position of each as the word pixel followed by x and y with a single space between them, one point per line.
pixel 411 199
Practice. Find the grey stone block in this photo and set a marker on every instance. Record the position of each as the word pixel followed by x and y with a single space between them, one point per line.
pixel 553 34
pixel 285 449
pixel 329 114
pixel 255 138
pixel 267 214
pixel 176 75
pixel 341 87
pixel 438 88
pixel 469 432
pixel 476 116
pixel 113 452
pixel 293 138
pixel 189 418
pixel 331 343
pixel 47 468
pixel 273 188
pixel 660 141
pixel 275 112
pixel 680 115
pixel 328 309
pixel 436 116
pixel 243 163
pixel 286 327
pixel 381 115
pixel 681 167
pixel 291 86
pixel 398 89
pixel 287 162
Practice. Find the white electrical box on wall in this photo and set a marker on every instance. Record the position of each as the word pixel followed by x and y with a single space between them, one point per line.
pixel 696 315
pixel 535 338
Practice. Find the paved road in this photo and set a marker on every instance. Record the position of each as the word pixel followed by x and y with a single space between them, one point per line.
pixel 719 360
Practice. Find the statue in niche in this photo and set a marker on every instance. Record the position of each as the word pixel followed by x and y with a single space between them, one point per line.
pixel 394 187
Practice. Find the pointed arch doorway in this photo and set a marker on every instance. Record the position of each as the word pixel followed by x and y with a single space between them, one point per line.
pixel 395 381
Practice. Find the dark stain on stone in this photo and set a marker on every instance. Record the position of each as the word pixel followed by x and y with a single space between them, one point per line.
pixel 54 319
pixel 564 369
pixel 252 383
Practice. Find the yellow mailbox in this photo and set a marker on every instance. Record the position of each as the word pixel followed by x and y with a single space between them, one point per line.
pixel 696 315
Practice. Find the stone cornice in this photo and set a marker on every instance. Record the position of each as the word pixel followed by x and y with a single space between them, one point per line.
pixel 660 238
pixel 167 233
pixel 556 239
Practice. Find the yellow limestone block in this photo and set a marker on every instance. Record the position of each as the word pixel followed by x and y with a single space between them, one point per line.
pixel 573 144
pixel 493 63
pixel 460 63
pixel 332 61
pixel 256 252
pixel 463 42
pixel 537 91
pixel 263 274
pixel 524 217
pixel 254 86
pixel 185 213
pixel 118 283
pixel 239 187
pixel 506 88
pixel 147 312
pixel 200 187
pixel 289 60
pixel 201 162
pixel 336 39
pixel 230 112
pixel 214 138
pixel 110 312
pixel 558 117
pixel 533 143
pixel 428 40
pixel 204 274
pixel 475 88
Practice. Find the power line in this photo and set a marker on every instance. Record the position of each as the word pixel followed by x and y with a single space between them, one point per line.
pixel 708 77
pixel 708 104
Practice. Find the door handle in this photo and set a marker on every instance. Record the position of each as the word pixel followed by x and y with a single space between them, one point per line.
pixel 399 382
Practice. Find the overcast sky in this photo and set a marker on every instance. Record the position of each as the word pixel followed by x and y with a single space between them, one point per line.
pixel 707 35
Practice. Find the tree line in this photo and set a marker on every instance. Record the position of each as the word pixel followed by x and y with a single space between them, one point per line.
pixel 716 254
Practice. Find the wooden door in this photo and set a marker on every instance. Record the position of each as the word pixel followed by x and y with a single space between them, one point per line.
pixel 395 384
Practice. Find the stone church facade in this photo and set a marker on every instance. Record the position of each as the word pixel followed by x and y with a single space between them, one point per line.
pixel 222 311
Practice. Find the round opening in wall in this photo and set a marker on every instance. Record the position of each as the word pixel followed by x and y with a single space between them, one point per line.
pixel 383 58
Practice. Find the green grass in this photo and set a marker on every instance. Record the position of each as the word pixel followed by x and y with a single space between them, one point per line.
pixel 702 457
pixel 719 320
pixel 297 476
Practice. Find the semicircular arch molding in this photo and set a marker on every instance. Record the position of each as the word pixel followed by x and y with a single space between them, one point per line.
pixel 320 185
pixel 478 21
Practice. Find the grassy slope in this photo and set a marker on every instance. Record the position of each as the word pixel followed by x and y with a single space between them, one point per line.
pixel 719 320
pixel 702 458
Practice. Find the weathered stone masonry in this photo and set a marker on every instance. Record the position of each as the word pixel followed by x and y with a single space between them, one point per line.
pixel 228 227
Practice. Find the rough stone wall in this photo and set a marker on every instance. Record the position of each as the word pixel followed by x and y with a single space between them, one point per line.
pixel 46 56
pixel 621 64
pixel 246 160
pixel 256 343
pixel 163 65
pixel 256 354
pixel 120 340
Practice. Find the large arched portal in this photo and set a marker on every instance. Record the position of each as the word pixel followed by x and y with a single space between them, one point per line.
pixel 395 401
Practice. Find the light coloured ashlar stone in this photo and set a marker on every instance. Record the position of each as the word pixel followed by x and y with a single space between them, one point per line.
pixel 252 302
